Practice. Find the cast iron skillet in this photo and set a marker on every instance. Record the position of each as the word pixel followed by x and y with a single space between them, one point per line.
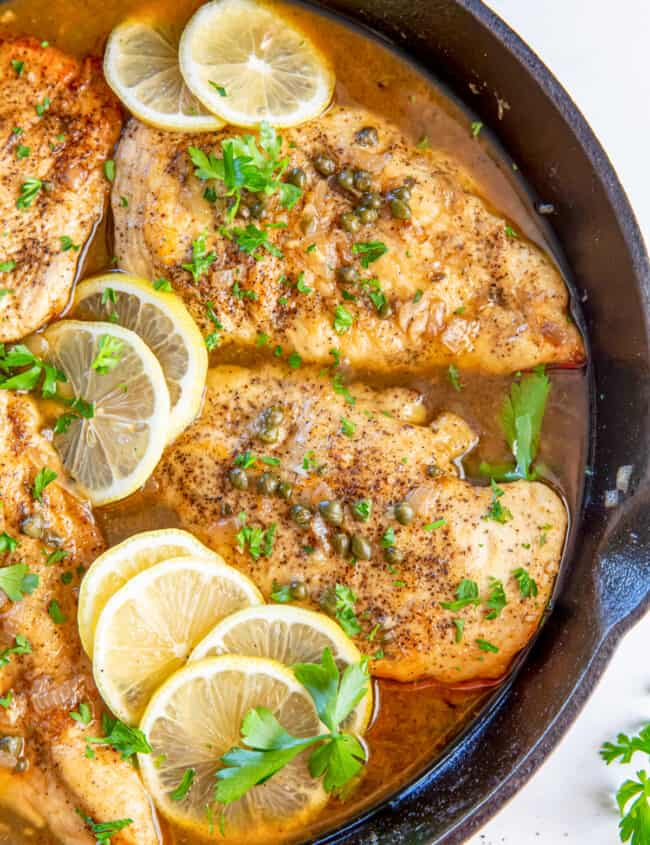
pixel 606 585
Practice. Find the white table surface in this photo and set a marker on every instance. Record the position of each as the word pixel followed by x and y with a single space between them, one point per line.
pixel 599 51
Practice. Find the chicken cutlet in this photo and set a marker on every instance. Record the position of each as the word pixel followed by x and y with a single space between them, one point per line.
pixel 452 283
pixel 292 483
pixel 44 675
pixel 58 123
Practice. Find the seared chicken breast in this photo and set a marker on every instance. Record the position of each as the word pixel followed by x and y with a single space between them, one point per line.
pixel 455 282
pixel 57 539
pixel 262 429
pixel 58 125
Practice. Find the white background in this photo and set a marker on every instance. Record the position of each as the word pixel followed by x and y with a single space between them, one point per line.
pixel 600 51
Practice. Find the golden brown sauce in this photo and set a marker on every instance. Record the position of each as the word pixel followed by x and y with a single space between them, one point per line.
pixel 412 726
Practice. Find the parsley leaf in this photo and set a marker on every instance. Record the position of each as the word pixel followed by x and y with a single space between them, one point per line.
pixel 466 594
pixel 67 243
pixel 201 258
pixel 454 377
pixel 162 284
pixel 484 645
pixel 497 512
pixel 7 543
pixel 251 239
pixel 626 747
pixel 103 831
pixel 369 251
pixel 28 191
pixel 109 353
pixel 83 715
pixel 362 509
pixel 109 169
pixel 347 427
pixel 635 817
pixel 344 600
pixel 21 646
pixel 521 419
pixel 497 599
pixel 527 585
pixel 44 476
pixel 56 614
pixel 343 320
pixel 128 741
pixel 259 541
pixel 184 786
pixel 17 581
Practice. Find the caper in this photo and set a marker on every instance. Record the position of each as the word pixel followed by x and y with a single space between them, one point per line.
pixel 385 310
pixel 298 590
pixel 238 478
pixel 331 511
pixel 348 275
pixel 226 509
pixel 346 180
pixel 324 165
pixel 22 764
pixel 269 434
pixel 341 543
pixel 297 176
pixel 12 744
pixel 258 210
pixel 267 483
pixel 367 137
pixel 362 180
pixel 350 222
pixel 367 215
pixel 400 209
pixel 404 513
pixel 244 211
pixel 393 555
pixel 301 515
pixel 371 199
pixel 285 490
pixel 33 526
pixel 274 416
pixel 361 548
pixel 327 601
pixel 403 193
pixel 433 471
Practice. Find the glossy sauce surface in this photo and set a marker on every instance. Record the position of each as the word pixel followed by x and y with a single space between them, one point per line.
pixel 412 725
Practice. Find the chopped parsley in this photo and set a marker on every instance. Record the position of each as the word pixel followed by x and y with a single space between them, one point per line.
pixel 388 538
pixel 163 285
pixel 497 512
pixel 362 509
pixel 42 107
pixel 83 715
pixel 44 476
pixel 22 151
pixel 347 428
pixel 67 243
pixel 201 258
pixel 28 191
pixel 496 599
pixel 109 169
pixel 527 585
pixel 466 594
pixel 369 251
pixel 476 128
pixel 344 601
pixel 343 320
pixel 434 526
pixel 109 353
pixel 510 232
pixel 103 831
pixel 459 625
pixel 56 614
pixel 123 738
pixel 294 360
pixel 484 645
pixel 21 646
pixel 18 66
pixel 7 266
pixel 454 377
pixel 301 285
pixel 214 338
pixel 251 239
pixel 221 91
pixel 17 582
pixel 7 543
pixel 184 785
pixel 258 541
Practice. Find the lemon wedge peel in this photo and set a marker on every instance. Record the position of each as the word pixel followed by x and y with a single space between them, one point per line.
pixel 97 452
pixel 290 635
pixel 141 66
pixel 116 566
pixel 149 627
pixel 163 322
pixel 183 719
pixel 247 64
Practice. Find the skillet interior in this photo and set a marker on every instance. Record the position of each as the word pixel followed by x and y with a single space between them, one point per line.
pixel 606 583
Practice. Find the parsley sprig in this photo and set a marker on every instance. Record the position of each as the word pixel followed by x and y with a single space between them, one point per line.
pixel 338 757
pixel 633 796
pixel 246 166
pixel 103 831
pixel 521 421
pixel 128 741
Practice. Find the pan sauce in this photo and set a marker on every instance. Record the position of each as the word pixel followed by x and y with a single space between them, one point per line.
pixel 411 725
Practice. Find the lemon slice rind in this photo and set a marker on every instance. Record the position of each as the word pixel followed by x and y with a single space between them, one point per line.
pixel 290 635
pixel 113 429
pixel 112 569
pixel 149 627
pixel 195 717
pixel 141 66
pixel 165 325
pixel 247 64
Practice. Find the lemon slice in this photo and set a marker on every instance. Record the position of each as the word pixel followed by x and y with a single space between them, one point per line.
pixel 141 66
pixel 164 323
pixel 112 453
pixel 195 718
pixel 290 635
pixel 247 64
pixel 148 629
pixel 116 566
